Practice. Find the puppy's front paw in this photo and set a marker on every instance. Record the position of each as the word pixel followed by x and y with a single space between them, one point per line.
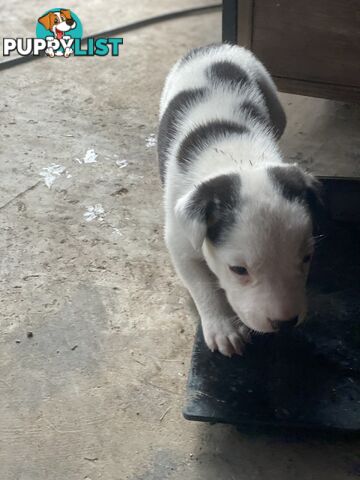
pixel 68 52
pixel 224 336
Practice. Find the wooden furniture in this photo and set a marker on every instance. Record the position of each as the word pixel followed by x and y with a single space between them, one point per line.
pixel 311 47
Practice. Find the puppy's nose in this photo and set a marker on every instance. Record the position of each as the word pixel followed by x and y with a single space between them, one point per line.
pixel 69 21
pixel 282 325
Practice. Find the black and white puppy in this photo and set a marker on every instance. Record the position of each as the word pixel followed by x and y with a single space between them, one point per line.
pixel 239 222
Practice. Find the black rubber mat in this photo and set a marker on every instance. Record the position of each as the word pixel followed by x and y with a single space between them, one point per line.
pixel 309 377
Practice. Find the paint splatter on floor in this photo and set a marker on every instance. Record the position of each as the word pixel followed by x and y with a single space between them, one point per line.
pixel 94 212
pixel 122 163
pixel 150 141
pixel 51 172
pixel 90 156
pixel 117 231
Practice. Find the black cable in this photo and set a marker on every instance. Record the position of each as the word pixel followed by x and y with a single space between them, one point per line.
pixel 123 29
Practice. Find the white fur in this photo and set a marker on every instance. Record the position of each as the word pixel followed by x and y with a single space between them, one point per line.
pixel 270 234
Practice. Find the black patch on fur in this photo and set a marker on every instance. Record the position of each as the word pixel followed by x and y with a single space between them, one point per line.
pixel 204 136
pixel 295 185
pixel 168 124
pixel 215 203
pixel 253 111
pixel 227 72
pixel 290 181
pixel 276 111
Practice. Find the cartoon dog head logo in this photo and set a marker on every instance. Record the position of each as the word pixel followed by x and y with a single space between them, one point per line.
pixel 64 25
pixel 58 22
pixel 59 33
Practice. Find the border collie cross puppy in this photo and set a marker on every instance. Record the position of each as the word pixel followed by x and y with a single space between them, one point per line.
pixel 239 222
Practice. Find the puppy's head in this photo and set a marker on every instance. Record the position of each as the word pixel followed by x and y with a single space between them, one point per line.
pixel 255 230
pixel 58 22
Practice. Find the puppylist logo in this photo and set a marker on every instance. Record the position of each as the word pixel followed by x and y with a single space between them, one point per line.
pixel 59 34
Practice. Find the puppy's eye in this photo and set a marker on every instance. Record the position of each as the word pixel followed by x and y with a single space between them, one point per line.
pixel 307 258
pixel 56 20
pixel 239 270
pixel 63 18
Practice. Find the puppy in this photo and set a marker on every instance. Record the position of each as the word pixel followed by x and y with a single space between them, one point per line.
pixel 239 221
pixel 58 23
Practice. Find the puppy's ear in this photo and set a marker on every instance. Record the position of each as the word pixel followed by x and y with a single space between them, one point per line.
pixel 66 13
pixel 209 209
pixel 46 21
pixel 315 199
pixel 297 185
pixel 192 218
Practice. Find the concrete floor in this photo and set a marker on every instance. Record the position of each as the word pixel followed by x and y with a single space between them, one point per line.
pixel 97 391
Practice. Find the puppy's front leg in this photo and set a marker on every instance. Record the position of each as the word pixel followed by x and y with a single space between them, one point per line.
pixel 222 330
pixel 68 52
pixel 50 52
